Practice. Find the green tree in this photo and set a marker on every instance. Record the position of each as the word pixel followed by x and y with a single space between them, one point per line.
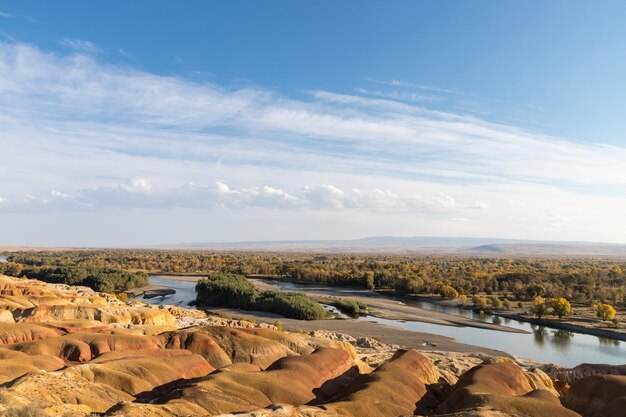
pixel 368 280
pixel 535 290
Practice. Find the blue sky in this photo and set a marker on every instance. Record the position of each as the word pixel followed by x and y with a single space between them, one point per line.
pixel 151 122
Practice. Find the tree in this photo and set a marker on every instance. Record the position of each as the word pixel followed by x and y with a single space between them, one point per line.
pixel 368 280
pixel 560 307
pixel 12 269
pixel 605 311
pixel 480 302
pixel 539 307
pixel 463 299
pixel 495 302
pixel 535 290
pixel 615 272
pixel 448 292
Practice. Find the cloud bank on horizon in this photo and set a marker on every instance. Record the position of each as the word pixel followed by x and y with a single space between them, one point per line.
pixel 86 138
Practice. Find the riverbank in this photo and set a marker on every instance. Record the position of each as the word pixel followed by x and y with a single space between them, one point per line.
pixel 386 334
pixel 379 306
pixel 358 328
pixel 583 322
pixel 150 291
pixel 604 333
pixel 561 347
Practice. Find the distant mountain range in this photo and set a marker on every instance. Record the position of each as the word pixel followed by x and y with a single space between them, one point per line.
pixel 425 245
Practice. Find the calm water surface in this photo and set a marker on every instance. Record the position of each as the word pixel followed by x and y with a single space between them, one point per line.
pixel 546 344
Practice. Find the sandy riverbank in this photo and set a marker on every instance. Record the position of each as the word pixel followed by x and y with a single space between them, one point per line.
pixel 379 306
pixel 386 308
pixel 583 321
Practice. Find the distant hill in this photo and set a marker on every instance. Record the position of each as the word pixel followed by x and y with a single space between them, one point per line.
pixel 425 245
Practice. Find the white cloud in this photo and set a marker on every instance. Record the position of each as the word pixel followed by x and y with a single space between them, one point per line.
pixel 137 185
pixel 108 137
pixel 78 45
pixel 140 193
pixel 58 194
pixel 3 14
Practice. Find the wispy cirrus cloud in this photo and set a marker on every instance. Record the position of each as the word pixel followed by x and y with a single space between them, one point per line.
pixel 82 134
pixel 78 45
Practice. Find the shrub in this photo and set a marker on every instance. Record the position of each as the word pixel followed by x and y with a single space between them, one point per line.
pixel 30 410
pixel 122 296
pixel 295 305
pixel 351 307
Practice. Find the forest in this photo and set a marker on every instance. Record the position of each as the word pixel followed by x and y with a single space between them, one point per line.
pixel 103 279
pixel 578 279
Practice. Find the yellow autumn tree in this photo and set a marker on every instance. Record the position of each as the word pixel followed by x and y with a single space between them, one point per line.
pixel 560 307
pixel 539 307
pixel 605 311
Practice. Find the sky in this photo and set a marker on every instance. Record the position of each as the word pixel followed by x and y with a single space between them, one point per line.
pixel 162 122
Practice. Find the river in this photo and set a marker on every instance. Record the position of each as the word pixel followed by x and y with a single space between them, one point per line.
pixel 544 344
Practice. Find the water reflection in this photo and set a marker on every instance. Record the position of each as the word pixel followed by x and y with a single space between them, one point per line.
pixel 562 338
pixel 539 334
pixel 607 341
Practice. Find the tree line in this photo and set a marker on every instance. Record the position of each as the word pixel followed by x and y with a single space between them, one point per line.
pixel 582 280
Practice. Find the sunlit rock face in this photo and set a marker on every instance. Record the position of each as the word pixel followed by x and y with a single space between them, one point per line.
pixel 73 352
pixel 505 387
